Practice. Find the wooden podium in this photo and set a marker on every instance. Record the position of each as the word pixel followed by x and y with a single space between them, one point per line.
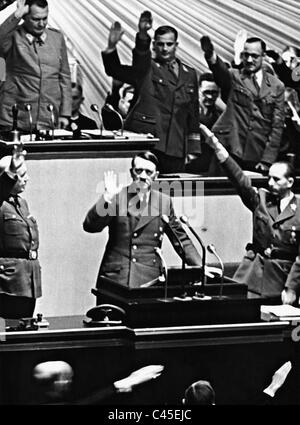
pixel 161 306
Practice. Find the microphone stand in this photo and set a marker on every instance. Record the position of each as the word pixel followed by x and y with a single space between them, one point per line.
pixel 50 109
pixel 201 295
pixel 165 272
pixel 28 109
pixel 184 296
pixel 213 251
pixel 15 131
pixel 95 108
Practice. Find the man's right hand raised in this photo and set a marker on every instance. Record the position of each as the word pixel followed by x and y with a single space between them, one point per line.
pixel 145 23
pixel 111 186
pixel 115 34
pixel 22 9
pixel 207 46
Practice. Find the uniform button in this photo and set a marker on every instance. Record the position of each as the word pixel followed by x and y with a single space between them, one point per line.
pixel 1 267
pixel 155 235
pixel 134 247
pixel 32 243
pixel 154 261
pixel 134 260
pixel 160 80
pixel 135 235
pixel 160 229
pixel 144 117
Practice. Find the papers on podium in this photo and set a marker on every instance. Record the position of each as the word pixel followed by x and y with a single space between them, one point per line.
pixel 279 312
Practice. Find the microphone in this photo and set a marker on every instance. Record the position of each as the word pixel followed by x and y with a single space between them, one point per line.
pixel 28 109
pixel 164 271
pixel 184 220
pixel 95 108
pixel 211 248
pixel 111 108
pixel 50 108
pixel 177 242
pixel 15 132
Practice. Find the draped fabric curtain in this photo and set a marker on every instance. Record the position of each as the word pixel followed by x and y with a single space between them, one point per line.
pixel 86 23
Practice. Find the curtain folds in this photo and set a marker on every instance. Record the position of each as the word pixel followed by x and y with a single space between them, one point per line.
pixel 86 23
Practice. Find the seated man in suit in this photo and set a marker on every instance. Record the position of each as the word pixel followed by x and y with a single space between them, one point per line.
pixel 136 216
pixel 78 121
pixel 271 266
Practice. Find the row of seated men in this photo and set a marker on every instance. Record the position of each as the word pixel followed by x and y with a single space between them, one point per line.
pixel 255 124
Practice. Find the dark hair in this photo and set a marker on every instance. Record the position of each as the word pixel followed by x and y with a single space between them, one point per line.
pixel 290 169
pixel 200 393
pixel 257 40
pixel 206 76
pixel 149 156
pixel 164 29
pixel 40 3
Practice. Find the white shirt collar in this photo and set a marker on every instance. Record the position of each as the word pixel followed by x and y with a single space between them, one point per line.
pixel 259 77
pixel 285 201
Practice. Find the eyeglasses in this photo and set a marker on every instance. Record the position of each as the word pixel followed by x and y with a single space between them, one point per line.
pixel 253 55
pixel 210 93
pixel 139 171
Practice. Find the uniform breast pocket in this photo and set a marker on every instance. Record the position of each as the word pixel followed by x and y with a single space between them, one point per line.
pixel 267 105
pixel 241 96
pixel 160 87
pixel 13 225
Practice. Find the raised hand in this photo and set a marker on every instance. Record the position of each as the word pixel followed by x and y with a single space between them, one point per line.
pixel 22 9
pixel 111 186
pixel 18 158
pixel 207 46
pixel 115 34
pixel 273 55
pixel 238 45
pixel 278 379
pixel 145 22
pixel 138 377
pixel 210 138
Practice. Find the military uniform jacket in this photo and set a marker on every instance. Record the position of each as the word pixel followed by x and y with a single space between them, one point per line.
pixel 35 73
pixel 252 124
pixel 130 257
pixel 164 105
pixel 18 235
pixel 272 233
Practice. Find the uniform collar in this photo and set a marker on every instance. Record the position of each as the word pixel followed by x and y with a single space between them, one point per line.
pixel 31 38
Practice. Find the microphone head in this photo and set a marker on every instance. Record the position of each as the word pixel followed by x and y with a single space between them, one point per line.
pixel 211 248
pixel 28 107
pixel 165 219
pixel 50 107
pixel 184 219
pixel 94 107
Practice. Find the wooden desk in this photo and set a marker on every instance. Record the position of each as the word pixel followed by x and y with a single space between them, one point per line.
pixel 239 359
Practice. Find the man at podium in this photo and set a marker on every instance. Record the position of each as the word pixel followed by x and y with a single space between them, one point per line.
pixel 137 217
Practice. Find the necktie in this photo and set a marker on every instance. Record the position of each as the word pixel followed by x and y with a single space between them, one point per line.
pixel 173 67
pixel 255 83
